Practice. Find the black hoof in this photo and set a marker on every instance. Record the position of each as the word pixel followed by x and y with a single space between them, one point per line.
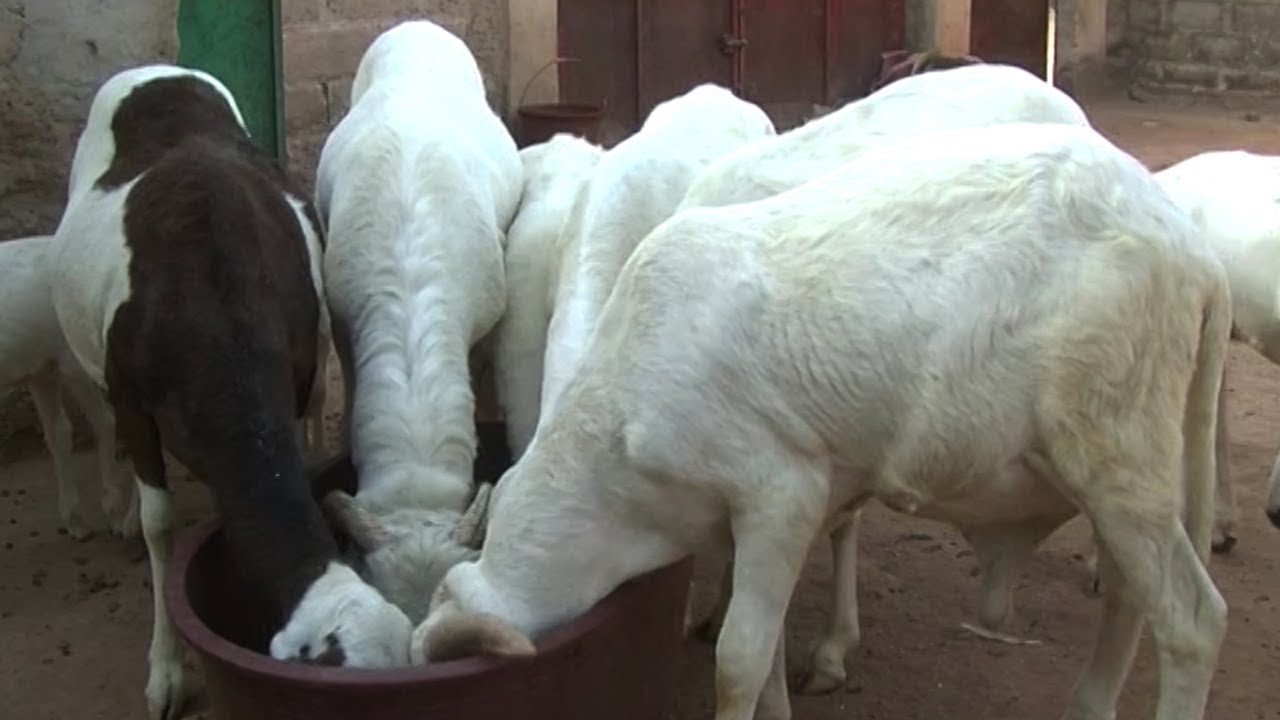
pixel 1224 547
pixel 707 632
pixel 1274 515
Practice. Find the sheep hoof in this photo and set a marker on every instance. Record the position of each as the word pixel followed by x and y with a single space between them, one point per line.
pixel 76 527
pixel 708 631
pixel 123 521
pixel 820 682
pixel 166 694
pixel 1225 545
pixel 1093 586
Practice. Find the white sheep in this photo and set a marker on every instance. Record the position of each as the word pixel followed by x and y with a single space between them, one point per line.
pixel 762 367
pixel 417 185
pixel 33 354
pixel 555 172
pixel 1234 198
pixel 968 96
pixel 185 278
pixel 633 187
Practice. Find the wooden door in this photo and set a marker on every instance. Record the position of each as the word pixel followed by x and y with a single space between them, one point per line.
pixel 786 55
pixel 784 59
pixel 801 53
pixel 239 43
pixel 600 37
pixel 1011 31
pixel 679 46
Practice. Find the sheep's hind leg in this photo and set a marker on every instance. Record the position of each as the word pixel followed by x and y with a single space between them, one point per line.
pixel 770 545
pixel 165 680
pixel 46 395
pixel 119 491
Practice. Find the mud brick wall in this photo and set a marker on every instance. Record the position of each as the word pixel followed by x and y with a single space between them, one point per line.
pixel 323 42
pixel 1219 47
pixel 324 39
pixel 53 56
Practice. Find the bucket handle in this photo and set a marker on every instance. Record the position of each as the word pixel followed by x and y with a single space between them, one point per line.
pixel 553 61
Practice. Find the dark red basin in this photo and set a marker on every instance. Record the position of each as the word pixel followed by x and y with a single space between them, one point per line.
pixel 618 662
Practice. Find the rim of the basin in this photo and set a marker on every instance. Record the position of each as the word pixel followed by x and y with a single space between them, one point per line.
pixel 194 630
pixel 561 111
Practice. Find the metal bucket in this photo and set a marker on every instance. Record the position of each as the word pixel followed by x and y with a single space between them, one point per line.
pixel 539 122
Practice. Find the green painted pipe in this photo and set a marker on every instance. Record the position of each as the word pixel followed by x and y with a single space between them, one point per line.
pixel 238 42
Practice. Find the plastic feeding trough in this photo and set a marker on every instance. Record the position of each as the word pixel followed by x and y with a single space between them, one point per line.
pixel 619 661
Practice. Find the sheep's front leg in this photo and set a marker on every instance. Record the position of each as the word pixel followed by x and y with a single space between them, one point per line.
pixel 165 681
pixel 46 395
pixel 827 669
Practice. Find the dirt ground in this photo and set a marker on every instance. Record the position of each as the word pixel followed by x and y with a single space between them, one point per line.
pixel 75 616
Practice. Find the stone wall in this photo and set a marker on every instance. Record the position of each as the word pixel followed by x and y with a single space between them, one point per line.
pixel 1218 47
pixel 323 42
pixel 53 56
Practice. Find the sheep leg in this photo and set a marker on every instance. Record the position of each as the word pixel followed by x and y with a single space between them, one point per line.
pixel 1224 505
pixel 827 666
pixel 1095 693
pixel 46 395
pixel 165 681
pixel 774 701
pixel 1152 569
pixel 519 350
pixel 313 418
pixel 164 658
pixel 709 629
pixel 1273 496
pixel 343 348
pixel 119 495
pixel 770 545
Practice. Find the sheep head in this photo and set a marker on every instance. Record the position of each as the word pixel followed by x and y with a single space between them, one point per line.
pixel 453 630
pixel 342 621
pixel 407 551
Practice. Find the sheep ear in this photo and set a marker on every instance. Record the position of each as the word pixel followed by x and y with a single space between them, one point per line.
pixel 347 516
pixel 460 635
pixel 470 528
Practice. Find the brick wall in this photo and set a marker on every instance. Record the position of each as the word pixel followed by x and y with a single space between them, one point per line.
pixel 1220 47
pixel 53 57
pixel 324 39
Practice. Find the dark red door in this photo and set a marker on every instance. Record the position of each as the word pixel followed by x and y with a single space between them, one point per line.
pixel 786 55
pixel 679 47
pixel 1011 31
pixel 784 58
pixel 799 53
pixel 600 37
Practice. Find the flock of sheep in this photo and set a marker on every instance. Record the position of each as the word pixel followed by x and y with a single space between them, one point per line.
pixel 952 296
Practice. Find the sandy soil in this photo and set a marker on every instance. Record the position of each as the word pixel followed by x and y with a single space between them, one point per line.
pixel 75 616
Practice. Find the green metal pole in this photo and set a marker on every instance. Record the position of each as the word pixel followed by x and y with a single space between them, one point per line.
pixel 238 42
